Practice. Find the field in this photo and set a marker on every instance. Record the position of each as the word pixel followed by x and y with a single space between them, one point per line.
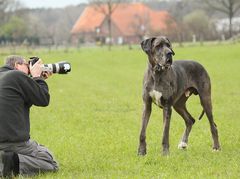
pixel 93 121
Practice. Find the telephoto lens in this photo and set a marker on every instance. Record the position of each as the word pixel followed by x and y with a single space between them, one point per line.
pixel 59 67
pixel 62 67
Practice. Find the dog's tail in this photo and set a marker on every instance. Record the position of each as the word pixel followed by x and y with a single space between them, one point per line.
pixel 200 117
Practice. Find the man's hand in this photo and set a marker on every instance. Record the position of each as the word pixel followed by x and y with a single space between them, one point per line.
pixel 36 69
pixel 46 74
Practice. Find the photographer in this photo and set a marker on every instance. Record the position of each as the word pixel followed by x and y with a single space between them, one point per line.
pixel 18 92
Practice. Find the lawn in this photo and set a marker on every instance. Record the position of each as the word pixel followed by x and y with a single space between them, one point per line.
pixel 93 121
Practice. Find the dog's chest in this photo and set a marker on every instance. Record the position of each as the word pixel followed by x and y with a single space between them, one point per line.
pixel 156 97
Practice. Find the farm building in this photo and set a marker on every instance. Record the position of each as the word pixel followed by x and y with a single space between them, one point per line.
pixel 129 24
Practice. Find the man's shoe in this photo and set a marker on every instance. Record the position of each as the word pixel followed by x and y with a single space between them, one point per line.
pixel 9 164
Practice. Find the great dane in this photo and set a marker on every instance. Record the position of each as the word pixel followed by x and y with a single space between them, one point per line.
pixel 169 84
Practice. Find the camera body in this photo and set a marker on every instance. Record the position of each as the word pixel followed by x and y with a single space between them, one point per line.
pixel 62 67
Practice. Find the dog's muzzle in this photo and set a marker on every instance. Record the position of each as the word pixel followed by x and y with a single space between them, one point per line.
pixel 164 64
pixel 169 58
pixel 168 61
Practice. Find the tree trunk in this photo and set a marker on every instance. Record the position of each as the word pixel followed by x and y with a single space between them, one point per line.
pixel 230 23
pixel 109 32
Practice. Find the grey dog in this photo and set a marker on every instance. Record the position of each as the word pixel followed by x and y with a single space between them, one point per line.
pixel 169 84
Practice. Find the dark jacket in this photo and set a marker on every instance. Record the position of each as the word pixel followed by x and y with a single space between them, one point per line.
pixel 18 92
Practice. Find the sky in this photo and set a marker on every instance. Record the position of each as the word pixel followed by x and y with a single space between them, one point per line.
pixel 50 3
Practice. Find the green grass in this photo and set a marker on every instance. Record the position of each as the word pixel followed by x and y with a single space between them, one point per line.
pixel 93 121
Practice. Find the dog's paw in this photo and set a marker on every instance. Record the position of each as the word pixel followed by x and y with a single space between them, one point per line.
pixel 182 145
pixel 165 152
pixel 142 152
pixel 216 149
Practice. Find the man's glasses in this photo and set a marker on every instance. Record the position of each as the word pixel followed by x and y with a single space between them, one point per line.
pixel 23 63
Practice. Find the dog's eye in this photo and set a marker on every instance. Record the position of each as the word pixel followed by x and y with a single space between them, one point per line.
pixel 159 48
pixel 159 45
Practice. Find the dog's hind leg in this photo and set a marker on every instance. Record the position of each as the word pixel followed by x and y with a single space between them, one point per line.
pixel 207 107
pixel 147 108
pixel 180 108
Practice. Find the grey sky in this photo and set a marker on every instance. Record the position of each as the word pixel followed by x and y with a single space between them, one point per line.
pixel 50 3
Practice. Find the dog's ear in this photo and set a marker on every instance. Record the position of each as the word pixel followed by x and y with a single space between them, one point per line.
pixel 147 45
pixel 173 53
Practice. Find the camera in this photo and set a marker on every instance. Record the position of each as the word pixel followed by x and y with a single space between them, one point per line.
pixel 62 67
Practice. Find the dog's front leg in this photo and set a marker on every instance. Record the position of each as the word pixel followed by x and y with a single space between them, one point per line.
pixel 167 111
pixel 147 108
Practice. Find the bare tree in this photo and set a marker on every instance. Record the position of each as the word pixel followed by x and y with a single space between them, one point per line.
pixel 12 25
pixel 229 7
pixel 106 7
pixel 177 11
pixel 199 27
pixel 4 4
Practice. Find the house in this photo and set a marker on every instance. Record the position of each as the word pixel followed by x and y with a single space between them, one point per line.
pixel 130 22
pixel 223 24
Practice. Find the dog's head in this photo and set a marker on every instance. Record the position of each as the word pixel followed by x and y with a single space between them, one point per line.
pixel 159 51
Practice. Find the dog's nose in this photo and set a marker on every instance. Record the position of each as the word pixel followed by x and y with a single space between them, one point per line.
pixel 169 57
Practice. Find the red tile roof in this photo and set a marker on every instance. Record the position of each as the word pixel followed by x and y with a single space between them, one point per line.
pixel 124 17
pixel 88 21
